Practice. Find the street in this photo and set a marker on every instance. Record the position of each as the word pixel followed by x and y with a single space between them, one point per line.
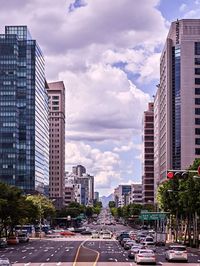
pixel 81 251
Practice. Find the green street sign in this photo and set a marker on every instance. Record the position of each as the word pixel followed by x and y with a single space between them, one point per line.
pixel 153 216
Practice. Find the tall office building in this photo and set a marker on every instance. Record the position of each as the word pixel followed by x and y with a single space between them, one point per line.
pixel 24 127
pixel 179 98
pixel 148 160
pixel 79 170
pixel 56 93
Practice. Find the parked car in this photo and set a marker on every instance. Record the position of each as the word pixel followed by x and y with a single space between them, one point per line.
pixel 176 252
pixel 67 233
pixel 23 237
pixel 107 235
pixel 3 243
pixel 145 256
pixel 95 234
pixel 5 262
pixel 12 240
pixel 86 232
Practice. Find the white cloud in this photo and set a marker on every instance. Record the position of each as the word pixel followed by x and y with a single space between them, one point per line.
pixel 103 165
pixel 82 48
pixel 103 104
pixel 183 7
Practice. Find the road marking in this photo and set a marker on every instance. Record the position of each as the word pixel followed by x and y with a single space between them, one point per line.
pixel 24 257
pixel 47 259
pixel 42 264
pixel 58 263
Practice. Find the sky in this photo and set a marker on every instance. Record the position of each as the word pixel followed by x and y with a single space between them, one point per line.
pixel 107 53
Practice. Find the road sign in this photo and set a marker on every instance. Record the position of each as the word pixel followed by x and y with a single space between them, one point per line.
pixel 153 216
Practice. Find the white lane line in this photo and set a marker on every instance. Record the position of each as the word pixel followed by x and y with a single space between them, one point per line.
pixel 24 257
pixel 47 259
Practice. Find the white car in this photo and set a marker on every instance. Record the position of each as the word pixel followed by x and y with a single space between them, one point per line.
pixel 95 234
pixel 176 252
pixel 145 256
pixel 5 262
pixel 107 235
pixel 149 245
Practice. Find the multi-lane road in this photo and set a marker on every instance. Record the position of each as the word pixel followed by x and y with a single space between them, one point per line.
pixel 80 251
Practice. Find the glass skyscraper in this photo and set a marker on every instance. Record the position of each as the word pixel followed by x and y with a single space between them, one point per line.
pixel 24 127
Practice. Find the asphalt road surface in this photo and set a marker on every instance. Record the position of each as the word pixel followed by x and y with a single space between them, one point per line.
pixel 80 251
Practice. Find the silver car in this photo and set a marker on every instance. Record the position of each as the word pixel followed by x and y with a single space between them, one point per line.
pixel 5 262
pixel 145 256
pixel 176 252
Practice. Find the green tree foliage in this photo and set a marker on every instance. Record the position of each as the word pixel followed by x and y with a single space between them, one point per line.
pixel 43 207
pixel 181 198
pixel 111 204
pixel 14 209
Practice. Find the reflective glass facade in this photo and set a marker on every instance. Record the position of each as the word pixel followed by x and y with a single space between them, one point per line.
pixel 176 107
pixel 24 130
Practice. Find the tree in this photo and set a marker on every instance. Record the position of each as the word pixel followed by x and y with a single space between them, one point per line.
pixel 44 207
pixel 111 204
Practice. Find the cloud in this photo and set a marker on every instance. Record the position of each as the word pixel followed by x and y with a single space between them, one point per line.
pixel 103 165
pixel 95 46
pixel 104 102
pixel 130 146
pixel 183 7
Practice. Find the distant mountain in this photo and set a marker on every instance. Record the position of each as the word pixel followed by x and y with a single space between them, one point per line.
pixel 105 199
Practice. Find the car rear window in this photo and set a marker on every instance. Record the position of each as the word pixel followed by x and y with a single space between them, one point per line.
pixel 178 248
pixel 146 251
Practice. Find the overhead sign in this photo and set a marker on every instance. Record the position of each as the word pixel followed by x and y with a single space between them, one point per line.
pixel 153 216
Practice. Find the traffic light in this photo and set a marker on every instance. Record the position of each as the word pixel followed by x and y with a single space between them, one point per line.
pixel 170 175
pixel 177 175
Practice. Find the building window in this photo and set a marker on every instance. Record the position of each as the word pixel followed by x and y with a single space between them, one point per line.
pixel 197 71
pixel 197 48
pixel 197 111
pixel 197 101
pixel 55 97
pixel 197 61
pixel 197 151
pixel 197 91
pixel 197 141
pixel 197 81
pixel 197 121
pixel 197 131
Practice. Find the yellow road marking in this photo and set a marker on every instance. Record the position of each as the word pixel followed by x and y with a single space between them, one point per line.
pixel 78 251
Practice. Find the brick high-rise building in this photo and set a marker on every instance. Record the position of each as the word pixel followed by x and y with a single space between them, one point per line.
pixel 148 160
pixel 178 98
pixel 56 93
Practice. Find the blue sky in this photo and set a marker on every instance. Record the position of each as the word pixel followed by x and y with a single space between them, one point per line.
pixel 107 53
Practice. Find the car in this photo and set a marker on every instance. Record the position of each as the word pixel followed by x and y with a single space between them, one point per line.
pixel 145 256
pixel 134 249
pixel 12 240
pixel 140 237
pixel 5 262
pixel 149 239
pixel 23 237
pixel 128 244
pixel 124 240
pixel 3 243
pixel 149 245
pixel 122 236
pixel 176 252
pixel 107 235
pixel 67 233
pixel 86 232
pixel 95 234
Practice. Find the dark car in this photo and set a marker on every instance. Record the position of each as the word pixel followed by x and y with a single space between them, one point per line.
pixel 86 233
pixel 122 236
pixel 3 243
